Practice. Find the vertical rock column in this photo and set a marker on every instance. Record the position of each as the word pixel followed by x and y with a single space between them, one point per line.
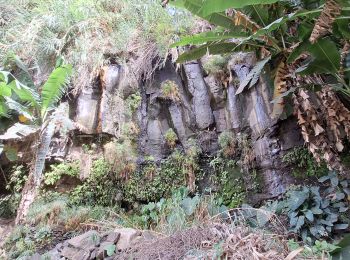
pixel 201 98
pixel 252 109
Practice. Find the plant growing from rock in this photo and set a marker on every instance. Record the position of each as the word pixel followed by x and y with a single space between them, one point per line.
pixel 171 138
pixel 304 163
pixel 170 91
pixel 71 169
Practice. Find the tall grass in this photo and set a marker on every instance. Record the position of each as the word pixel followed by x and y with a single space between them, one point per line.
pixel 88 33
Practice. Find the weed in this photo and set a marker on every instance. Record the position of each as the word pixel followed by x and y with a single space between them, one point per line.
pixel 170 91
pixel 304 164
pixel 171 138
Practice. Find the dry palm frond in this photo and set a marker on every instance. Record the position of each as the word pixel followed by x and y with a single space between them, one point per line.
pixel 312 115
pixel 243 20
pixel 336 114
pixel 325 21
pixel 280 87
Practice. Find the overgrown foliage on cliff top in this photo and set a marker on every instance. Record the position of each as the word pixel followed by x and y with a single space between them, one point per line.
pixel 88 33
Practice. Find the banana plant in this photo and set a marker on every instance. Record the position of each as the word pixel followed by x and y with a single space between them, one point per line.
pixel 280 31
pixel 34 109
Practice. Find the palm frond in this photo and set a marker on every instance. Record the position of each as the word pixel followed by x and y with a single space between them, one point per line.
pixel 55 87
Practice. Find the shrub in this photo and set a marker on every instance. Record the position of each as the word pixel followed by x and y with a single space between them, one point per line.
pixel 304 163
pixel 227 177
pixel 317 214
pixel 100 188
pixel 9 203
pixel 153 182
pixel 63 169
pixel 178 212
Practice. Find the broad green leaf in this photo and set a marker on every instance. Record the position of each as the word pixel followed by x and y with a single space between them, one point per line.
pixel 309 215
pixel 253 75
pixel 213 48
pixel 3 109
pixel 334 181
pixel 55 87
pixel 24 93
pixel 4 76
pixel 5 90
pixel 325 57
pixel 342 251
pixel 297 198
pixel 263 216
pixel 300 222
pixel 277 23
pixel 110 249
pixel 212 6
pixel 208 37
pixel 341 226
pixel 324 178
pixel 19 108
pixel 11 153
pixel 194 6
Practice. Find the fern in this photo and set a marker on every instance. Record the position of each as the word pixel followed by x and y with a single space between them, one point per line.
pixel 54 88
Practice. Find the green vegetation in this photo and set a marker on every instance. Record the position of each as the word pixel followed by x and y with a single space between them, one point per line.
pixel 178 212
pixel 216 64
pixel 170 91
pixel 58 171
pixel 227 177
pixel 304 164
pixel 9 203
pixel 315 213
pixel 100 187
pixel 89 33
pixel 171 138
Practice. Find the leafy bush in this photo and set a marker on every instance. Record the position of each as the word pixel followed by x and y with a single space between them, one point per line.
pixel 63 169
pixel 317 214
pixel 153 182
pixel 228 178
pixel 178 212
pixel 304 163
pixel 99 189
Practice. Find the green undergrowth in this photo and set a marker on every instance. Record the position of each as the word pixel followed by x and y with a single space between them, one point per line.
pixel 178 212
pixel 303 164
pixel 14 185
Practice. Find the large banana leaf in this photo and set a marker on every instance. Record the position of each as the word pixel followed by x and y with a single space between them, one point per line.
pixel 19 108
pixel 325 57
pixel 24 93
pixel 194 6
pixel 3 109
pixel 212 6
pixel 212 48
pixel 55 87
pixel 209 37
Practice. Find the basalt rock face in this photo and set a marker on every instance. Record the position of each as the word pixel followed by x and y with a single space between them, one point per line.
pixel 201 108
